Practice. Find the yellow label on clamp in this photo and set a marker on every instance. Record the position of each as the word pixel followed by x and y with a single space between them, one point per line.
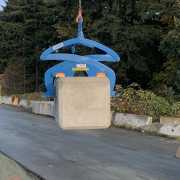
pixel 80 68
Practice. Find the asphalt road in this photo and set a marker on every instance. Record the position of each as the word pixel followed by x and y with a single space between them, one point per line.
pixel 113 154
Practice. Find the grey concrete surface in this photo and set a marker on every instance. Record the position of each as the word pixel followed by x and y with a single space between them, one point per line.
pixel 11 170
pixel 83 103
pixel 112 154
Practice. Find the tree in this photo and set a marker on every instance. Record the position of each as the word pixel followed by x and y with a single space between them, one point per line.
pixel 145 33
pixel 26 28
pixel 167 80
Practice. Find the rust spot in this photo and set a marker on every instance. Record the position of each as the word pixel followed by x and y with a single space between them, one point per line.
pixel 14 178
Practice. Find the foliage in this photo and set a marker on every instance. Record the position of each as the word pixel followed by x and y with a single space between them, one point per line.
pixel 13 82
pixel 36 96
pixel 170 45
pixel 145 33
pixel 144 103
pixel 176 108
pixel 26 28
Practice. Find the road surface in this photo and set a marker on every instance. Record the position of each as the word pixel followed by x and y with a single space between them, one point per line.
pixel 113 154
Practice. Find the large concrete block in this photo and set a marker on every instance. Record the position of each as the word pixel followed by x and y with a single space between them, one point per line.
pixel 83 103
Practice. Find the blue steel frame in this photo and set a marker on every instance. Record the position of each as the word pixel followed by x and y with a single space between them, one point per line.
pixel 70 61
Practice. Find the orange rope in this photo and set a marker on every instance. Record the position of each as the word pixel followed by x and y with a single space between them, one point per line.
pixel 79 16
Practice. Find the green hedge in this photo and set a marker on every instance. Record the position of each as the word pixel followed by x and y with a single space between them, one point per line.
pixel 144 103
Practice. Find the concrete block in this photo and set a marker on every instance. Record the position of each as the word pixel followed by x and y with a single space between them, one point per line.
pixel 43 107
pixel 131 120
pixel 83 103
pixel 170 120
pixel 15 100
pixel 178 152
pixel 170 130
pixel 25 103
pixel 6 100
pixel 153 128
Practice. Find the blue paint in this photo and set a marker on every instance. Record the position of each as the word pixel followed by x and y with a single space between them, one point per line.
pixel 93 62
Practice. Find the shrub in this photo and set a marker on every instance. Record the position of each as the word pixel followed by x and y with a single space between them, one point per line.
pixel 36 96
pixel 176 108
pixel 143 103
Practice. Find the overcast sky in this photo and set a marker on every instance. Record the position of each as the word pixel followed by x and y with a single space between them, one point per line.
pixel 2 3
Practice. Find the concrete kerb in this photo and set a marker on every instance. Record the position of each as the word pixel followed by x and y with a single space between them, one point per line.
pixel 170 126
pixel 131 120
pixel 43 108
pixel 144 124
pixel 37 107
pixel 6 100
pixel 172 130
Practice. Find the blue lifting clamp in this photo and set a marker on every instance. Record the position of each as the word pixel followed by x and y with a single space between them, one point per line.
pixel 69 62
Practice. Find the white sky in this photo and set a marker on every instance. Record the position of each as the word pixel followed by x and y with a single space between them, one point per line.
pixel 2 3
